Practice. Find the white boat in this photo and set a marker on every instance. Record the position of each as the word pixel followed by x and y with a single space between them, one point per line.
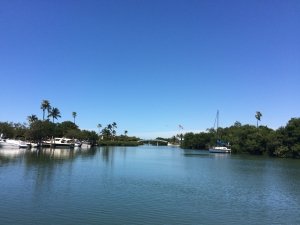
pixel 86 144
pixel 11 143
pixel 221 147
pixel 46 143
pixel 77 143
pixel 62 142
pixel 35 145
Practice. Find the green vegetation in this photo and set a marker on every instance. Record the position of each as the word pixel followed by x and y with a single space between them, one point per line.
pixel 109 137
pixel 45 129
pixel 39 130
pixel 248 139
pixel 261 140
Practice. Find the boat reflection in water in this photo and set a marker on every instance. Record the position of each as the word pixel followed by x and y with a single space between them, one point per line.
pixel 11 153
pixel 63 153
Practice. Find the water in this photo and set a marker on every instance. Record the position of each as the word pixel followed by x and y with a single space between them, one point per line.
pixel 146 185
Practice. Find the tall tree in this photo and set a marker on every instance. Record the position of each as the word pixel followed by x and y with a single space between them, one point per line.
pixel 99 126
pixel 114 133
pixel 257 116
pixel 54 113
pixel 180 136
pixel 32 118
pixel 109 127
pixel 106 132
pixel 74 115
pixel 174 139
pixel 45 105
pixel 114 125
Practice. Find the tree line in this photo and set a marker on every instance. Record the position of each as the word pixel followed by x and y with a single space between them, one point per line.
pixel 259 140
pixel 42 130
pixel 45 129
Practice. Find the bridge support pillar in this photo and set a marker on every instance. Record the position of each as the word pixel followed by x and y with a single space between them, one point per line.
pixel 157 143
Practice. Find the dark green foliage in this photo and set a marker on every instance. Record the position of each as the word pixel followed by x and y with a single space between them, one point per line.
pixel 89 135
pixel 289 140
pixel 65 126
pixel 12 130
pixel 39 130
pixel 196 141
pixel 284 142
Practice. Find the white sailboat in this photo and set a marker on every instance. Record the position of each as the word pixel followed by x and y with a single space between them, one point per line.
pixel 221 147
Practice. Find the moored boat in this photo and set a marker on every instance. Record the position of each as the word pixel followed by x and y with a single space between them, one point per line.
pixel 35 145
pixel 86 144
pixel 11 143
pixel 62 142
pixel 221 147
pixel 77 144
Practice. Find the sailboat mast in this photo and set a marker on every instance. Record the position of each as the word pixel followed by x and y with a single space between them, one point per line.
pixel 217 120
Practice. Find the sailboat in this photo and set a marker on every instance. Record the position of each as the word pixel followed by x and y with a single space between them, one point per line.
pixel 221 147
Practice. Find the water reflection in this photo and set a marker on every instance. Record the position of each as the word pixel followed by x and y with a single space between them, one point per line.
pixel 61 153
pixel 36 156
pixel 11 153
pixel 11 156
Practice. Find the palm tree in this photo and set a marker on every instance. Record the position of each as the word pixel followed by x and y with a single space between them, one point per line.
pixel 106 132
pixel 125 132
pixel 174 139
pixel 180 136
pixel 32 118
pixel 49 108
pixel 74 115
pixel 257 116
pixel 114 125
pixel 45 105
pixel 114 133
pixel 99 126
pixel 54 113
pixel 111 129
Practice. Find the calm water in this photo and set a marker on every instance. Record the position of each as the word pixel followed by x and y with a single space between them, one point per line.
pixel 146 185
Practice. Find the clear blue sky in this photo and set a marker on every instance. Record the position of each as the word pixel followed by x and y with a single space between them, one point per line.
pixel 149 64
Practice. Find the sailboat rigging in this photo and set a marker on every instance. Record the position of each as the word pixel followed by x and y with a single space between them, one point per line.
pixel 221 147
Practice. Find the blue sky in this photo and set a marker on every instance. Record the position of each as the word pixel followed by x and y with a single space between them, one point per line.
pixel 151 66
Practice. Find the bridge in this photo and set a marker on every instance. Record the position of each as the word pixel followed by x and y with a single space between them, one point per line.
pixel 153 140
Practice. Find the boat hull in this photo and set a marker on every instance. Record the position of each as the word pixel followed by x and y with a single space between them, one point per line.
pixel 220 150
pixel 78 144
pixel 61 145
pixel 9 143
pixel 4 144
pixel 35 145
